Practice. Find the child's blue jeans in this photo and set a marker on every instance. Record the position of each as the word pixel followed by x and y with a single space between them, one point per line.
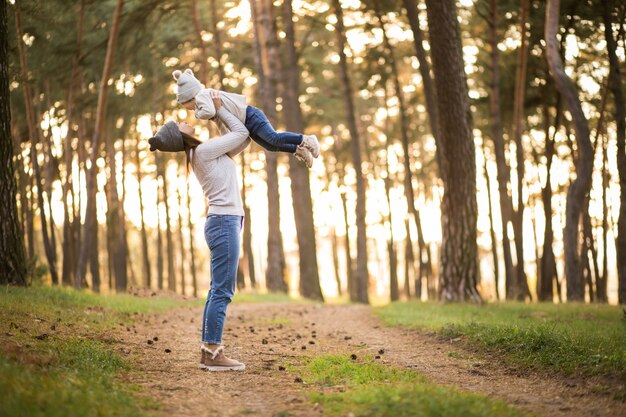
pixel 222 236
pixel 262 132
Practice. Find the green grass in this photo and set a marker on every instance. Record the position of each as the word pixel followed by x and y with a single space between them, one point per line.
pixel 56 358
pixel 570 339
pixel 366 388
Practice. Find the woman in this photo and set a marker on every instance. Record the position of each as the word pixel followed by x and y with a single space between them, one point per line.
pixel 212 163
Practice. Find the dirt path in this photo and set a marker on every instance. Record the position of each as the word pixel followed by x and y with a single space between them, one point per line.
pixel 267 336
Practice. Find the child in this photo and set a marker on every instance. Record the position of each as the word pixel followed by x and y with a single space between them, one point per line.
pixel 193 96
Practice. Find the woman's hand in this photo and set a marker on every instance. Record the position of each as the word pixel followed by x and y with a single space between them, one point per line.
pixel 217 101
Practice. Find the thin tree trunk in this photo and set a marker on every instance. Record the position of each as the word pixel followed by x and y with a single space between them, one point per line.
pixel 171 273
pixel 181 241
pixel 394 293
pixel 548 272
pixel 521 285
pixel 118 222
pixel 194 279
pixel 409 265
pixel 267 44
pixel 581 185
pixel 247 227
pixel 348 254
pixel 12 253
pixel 503 175
pixel 615 85
pixel 601 283
pixel 361 276
pixel 90 234
pixel 425 270
pixel 160 184
pixel 299 174
pixel 492 232
pixel 33 134
pixel 424 68
pixel 335 254
pixel 71 220
pixel 217 42
pixel 459 252
pixel 147 273
pixel 199 41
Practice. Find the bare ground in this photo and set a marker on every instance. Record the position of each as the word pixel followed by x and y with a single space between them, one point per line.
pixel 268 336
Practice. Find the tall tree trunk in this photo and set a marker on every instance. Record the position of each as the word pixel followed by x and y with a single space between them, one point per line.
pixel 118 222
pixel 160 271
pixel 348 251
pixel 615 85
pixel 409 265
pixel 394 293
pixel 427 82
pixel 268 60
pixel 147 273
pixel 361 276
pixel 181 241
pixel 601 283
pixel 71 220
pixel 171 273
pixel 52 172
pixel 33 134
pixel 90 233
pixel 12 252
pixel 194 279
pixel 335 254
pixel 548 272
pixel 299 174
pixel 195 18
pixel 425 270
pixel 492 230
pixel 459 252
pixel 503 176
pixel 581 185
pixel 521 285
pixel 217 42
pixel 247 227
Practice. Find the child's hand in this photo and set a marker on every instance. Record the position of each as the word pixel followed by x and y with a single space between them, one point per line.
pixel 217 101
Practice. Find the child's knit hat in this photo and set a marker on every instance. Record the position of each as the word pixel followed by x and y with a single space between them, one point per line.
pixel 167 139
pixel 188 85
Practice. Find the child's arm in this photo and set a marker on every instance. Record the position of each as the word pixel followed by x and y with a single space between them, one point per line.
pixel 205 110
pixel 227 143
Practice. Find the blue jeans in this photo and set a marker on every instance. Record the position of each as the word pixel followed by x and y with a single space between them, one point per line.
pixel 262 132
pixel 222 236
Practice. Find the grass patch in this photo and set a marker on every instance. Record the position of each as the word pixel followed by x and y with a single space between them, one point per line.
pixel 571 339
pixel 55 356
pixel 366 388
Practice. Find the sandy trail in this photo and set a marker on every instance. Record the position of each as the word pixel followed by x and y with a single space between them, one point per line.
pixel 267 336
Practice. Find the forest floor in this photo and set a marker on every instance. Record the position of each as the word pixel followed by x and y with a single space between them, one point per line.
pixel 276 341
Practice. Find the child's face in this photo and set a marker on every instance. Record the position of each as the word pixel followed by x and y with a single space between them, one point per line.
pixel 190 105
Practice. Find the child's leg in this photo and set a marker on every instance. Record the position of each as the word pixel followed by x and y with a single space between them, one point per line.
pixel 262 132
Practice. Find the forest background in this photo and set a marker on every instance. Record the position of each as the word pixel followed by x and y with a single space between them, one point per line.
pixel 540 207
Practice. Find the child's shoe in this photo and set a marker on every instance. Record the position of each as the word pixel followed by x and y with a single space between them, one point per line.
pixel 310 142
pixel 303 154
pixel 216 361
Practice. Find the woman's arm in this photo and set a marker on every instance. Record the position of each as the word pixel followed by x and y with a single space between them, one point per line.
pixel 240 148
pixel 227 143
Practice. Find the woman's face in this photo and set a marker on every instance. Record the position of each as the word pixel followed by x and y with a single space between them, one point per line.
pixel 185 128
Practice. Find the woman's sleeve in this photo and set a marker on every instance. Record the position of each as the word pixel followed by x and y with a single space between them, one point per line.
pixel 227 143
pixel 240 148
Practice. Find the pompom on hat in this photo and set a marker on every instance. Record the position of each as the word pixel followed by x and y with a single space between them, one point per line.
pixel 167 139
pixel 188 85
